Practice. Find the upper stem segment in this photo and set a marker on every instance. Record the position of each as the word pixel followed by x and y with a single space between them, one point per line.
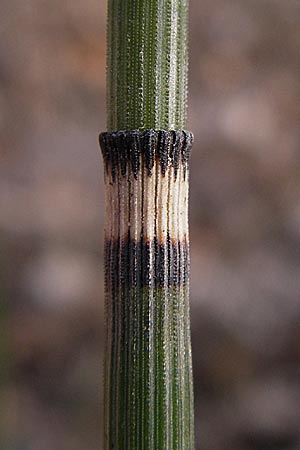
pixel 147 64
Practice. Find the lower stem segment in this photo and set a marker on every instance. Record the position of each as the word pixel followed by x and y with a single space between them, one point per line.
pixel 148 388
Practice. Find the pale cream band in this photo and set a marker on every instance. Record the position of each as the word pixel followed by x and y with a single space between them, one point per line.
pixel 148 206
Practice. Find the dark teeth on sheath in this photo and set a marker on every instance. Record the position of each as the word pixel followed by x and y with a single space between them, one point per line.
pixel 126 149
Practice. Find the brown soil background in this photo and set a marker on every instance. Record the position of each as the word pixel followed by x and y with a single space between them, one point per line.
pixel 244 108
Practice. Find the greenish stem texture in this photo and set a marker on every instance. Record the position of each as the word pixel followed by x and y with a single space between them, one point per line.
pixel 147 64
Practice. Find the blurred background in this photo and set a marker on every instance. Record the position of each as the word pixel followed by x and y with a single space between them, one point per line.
pixel 244 109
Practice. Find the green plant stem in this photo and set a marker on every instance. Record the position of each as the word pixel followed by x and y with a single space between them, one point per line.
pixel 147 64
pixel 148 387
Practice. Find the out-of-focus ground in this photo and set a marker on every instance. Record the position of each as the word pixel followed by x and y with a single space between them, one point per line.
pixel 244 214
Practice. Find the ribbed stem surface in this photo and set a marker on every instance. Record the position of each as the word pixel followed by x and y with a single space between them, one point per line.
pixel 147 64
pixel 148 398
pixel 148 391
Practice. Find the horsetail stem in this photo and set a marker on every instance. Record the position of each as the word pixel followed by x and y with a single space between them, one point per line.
pixel 148 391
